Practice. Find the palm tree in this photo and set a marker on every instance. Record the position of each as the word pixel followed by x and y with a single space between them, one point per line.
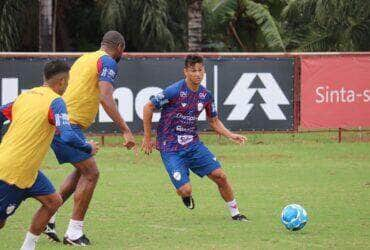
pixel 45 25
pixel 194 25
pixel 10 25
pixel 143 23
pixel 331 25
pixel 250 25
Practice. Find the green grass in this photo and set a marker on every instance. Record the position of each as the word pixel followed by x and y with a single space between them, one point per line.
pixel 135 206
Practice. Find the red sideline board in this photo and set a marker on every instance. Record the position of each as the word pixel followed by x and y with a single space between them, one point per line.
pixel 335 92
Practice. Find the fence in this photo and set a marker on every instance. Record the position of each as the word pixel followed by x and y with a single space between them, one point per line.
pixel 252 91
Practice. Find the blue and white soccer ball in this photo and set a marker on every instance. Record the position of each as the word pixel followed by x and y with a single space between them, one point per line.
pixel 294 217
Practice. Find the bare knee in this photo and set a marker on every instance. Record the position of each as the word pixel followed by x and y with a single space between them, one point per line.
pixel 185 190
pixel 89 170
pixel 92 174
pixel 219 178
pixel 53 204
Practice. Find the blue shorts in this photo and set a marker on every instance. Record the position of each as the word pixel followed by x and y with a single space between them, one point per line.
pixel 197 158
pixel 11 196
pixel 66 153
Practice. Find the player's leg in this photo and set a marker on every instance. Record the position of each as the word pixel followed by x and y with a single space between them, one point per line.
pixel 66 190
pixel 85 187
pixel 185 192
pixel 89 175
pixel 178 171
pixel 50 204
pixel 218 176
pixel 10 198
pixel 44 192
pixel 73 183
pixel 2 223
pixel 204 163
pixel 68 187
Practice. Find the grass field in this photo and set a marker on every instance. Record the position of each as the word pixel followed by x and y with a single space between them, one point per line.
pixel 134 205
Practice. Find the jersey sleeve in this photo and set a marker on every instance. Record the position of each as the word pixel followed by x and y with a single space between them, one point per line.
pixel 6 112
pixel 58 116
pixel 107 69
pixel 210 107
pixel 163 98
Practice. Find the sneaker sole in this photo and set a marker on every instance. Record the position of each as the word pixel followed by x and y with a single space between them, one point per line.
pixel 67 241
pixel 52 237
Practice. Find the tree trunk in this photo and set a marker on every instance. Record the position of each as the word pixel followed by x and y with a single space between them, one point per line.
pixel 45 25
pixel 195 25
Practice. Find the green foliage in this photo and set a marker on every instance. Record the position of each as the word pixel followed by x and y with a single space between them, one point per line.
pixel 83 25
pixel 266 23
pixel 327 25
pixel 253 23
pixel 160 25
pixel 143 23
pixel 10 26
pixel 177 23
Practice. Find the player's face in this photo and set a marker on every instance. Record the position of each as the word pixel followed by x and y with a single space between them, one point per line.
pixel 194 73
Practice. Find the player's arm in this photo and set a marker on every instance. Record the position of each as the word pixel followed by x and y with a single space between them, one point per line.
pixel 107 69
pixel 147 145
pixel 5 114
pixel 59 118
pixel 219 127
pixel 157 102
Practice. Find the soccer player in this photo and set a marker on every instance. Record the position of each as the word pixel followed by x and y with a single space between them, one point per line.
pixel 35 116
pixel 177 138
pixel 91 82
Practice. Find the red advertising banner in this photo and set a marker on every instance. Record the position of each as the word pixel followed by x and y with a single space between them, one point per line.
pixel 335 92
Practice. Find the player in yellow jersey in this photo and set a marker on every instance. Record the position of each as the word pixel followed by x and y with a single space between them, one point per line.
pixel 35 116
pixel 91 82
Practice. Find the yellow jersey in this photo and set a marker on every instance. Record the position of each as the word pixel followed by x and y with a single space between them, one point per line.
pixel 82 94
pixel 28 138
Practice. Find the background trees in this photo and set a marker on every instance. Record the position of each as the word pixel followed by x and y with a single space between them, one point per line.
pixel 194 25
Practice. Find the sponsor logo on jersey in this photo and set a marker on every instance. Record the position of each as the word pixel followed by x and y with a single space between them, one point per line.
pixel 184 139
pixel 202 95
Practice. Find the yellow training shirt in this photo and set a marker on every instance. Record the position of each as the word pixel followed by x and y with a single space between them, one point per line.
pixel 27 141
pixel 82 94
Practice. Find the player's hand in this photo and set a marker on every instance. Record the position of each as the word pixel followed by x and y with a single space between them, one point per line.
pixel 129 140
pixel 239 139
pixel 94 147
pixel 147 146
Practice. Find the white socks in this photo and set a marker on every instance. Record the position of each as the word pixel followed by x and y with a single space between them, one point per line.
pixel 52 219
pixel 30 241
pixel 233 207
pixel 74 230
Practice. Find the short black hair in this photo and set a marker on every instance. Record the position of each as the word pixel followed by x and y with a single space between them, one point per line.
pixel 193 59
pixel 113 38
pixel 55 67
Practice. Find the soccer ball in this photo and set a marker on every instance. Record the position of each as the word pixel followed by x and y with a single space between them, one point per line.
pixel 294 217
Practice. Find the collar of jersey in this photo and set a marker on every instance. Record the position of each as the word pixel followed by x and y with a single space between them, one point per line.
pixel 188 89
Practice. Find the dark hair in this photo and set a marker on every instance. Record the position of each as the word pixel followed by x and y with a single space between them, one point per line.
pixel 55 67
pixel 113 38
pixel 193 59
